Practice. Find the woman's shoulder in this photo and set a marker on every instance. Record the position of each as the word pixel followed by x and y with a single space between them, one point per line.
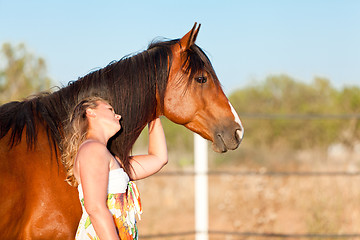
pixel 93 148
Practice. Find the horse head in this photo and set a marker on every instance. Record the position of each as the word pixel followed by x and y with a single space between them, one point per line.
pixel 194 97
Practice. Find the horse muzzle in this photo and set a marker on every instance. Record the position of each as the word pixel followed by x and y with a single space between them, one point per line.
pixel 228 138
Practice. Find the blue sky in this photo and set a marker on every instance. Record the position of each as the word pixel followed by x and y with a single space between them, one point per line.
pixel 245 40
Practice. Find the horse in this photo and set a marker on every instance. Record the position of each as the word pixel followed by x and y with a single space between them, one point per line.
pixel 172 78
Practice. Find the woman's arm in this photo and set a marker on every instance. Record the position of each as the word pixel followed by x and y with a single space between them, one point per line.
pixel 93 159
pixel 146 165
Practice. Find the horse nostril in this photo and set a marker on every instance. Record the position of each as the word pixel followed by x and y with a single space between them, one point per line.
pixel 239 134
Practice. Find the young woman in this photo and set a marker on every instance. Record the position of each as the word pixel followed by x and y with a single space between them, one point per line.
pixel 109 199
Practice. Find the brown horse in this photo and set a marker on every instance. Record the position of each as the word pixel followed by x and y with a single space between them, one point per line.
pixel 171 78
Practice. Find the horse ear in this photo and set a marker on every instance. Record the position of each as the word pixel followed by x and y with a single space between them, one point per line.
pixel 189 39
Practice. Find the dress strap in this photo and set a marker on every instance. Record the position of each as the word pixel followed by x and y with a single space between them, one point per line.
pixel 133 197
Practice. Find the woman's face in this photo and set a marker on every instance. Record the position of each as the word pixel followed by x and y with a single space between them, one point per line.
pixel 106 117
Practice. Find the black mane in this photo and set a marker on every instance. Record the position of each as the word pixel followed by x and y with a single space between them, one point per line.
pixel 130 85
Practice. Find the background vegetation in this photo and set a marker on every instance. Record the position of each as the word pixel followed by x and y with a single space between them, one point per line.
pixel 294 104
pixel 21 73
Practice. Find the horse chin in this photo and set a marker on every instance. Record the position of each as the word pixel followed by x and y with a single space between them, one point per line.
pixel 218 148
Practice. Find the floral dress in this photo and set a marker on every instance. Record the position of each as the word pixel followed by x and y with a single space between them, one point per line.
pixel 124 204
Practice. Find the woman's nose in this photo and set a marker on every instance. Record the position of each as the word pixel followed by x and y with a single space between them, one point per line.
pixel 118 116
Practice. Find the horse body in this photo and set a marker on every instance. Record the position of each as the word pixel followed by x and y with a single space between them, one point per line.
pixel 173 78
pixel 35 203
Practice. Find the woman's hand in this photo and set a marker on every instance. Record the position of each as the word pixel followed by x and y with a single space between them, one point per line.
pixel 147 165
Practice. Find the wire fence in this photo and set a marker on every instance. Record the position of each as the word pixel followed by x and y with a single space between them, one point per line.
pixel 267 235
pixel 300 116
pixel 254 234
pixel 259 173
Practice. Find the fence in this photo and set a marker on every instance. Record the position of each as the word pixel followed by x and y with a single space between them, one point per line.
pixel 201 173
pixel 244 235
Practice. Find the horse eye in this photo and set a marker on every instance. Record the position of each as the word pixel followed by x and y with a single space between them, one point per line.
pixel 201 79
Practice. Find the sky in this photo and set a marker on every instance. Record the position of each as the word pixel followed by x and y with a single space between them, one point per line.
pixel 246 41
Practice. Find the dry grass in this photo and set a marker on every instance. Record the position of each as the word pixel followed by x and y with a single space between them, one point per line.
pixel 286 204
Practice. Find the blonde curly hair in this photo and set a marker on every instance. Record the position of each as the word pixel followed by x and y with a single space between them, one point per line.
pixel 75 131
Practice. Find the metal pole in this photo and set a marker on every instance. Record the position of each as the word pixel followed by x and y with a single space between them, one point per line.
pixel 201 188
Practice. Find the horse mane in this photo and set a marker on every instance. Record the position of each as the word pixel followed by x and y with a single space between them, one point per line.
pixel 130 85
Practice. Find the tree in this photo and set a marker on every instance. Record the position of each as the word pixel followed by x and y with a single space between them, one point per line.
pixel 21 73
pixel 282 95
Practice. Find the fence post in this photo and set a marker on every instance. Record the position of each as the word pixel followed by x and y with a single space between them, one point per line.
pixel 201 188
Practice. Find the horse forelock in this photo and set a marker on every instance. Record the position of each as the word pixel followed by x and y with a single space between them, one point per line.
pixel 196 61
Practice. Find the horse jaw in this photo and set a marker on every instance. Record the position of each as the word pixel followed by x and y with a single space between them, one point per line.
pixel 225 136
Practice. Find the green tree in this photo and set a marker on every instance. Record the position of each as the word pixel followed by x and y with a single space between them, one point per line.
pixel 21 73
pixel 281 96
pixel 349 103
